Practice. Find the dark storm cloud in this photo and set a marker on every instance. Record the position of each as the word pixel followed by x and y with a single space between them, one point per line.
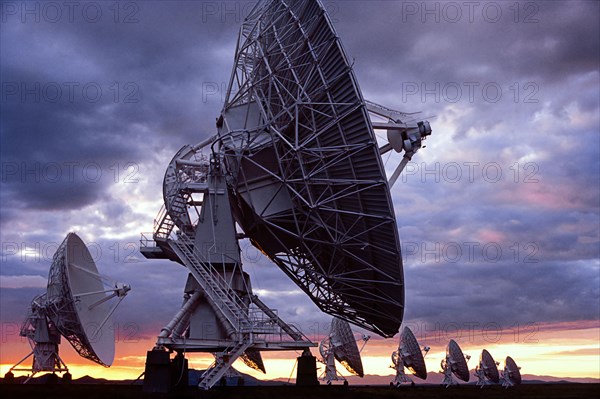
pixel 103 94
pixel 555 207
pixel 416 39
pixel 503 293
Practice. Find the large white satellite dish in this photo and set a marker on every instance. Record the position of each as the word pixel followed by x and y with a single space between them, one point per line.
pixel 411 356
pixel 76 306
pixel 295 167
pixel 487 370
pixel 341 345
pixel 511 375
pixel 454 365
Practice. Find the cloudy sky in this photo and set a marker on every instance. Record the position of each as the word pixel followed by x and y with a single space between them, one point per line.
pixel 498 216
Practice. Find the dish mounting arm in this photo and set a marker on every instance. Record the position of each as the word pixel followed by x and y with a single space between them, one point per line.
pixel 404 133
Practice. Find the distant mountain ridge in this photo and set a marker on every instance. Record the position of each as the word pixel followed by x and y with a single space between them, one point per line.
pixel 433 378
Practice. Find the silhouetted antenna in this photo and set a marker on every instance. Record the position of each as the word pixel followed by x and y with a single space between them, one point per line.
pixel 487 370
pixel 409 355
pixel 454 365
pixel 341 345
pixel 511 375
pixel 76 305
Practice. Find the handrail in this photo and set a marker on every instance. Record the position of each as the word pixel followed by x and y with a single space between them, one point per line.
pixel 145 241
pixel 220 282
pixel 164 220
pixel 245 318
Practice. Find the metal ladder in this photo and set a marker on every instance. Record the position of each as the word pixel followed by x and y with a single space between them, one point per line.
pixel 163 229
pixel 213 285
pixel 223 362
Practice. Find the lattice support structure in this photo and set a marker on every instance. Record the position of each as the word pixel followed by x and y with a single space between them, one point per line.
pixel 307 178
pixel 219 295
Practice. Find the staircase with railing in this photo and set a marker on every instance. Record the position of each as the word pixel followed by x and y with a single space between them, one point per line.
pixel 167 218
pixel 223 362
pixel 212 283
pixel 163 225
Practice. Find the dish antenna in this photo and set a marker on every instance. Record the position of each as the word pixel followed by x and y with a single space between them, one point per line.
pixel 308 183
pixel 487 370
pixel 511 375
pixel 411 356
pixel 295 163
pixel 340 345
pixel 76 306
pixel 454 364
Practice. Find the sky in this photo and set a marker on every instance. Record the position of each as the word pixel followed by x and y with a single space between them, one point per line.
pixel 498 216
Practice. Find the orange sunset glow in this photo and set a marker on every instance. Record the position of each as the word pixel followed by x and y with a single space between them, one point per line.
pixel 541 351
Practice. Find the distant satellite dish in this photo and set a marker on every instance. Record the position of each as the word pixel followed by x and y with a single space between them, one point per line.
pixel 511 375
pixel 411 356
pixel 487 370
pixel 341 345
pixel 75 306
pixel 345 348
pixel 454 364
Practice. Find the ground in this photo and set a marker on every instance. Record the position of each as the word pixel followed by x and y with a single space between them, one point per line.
pixel 93 391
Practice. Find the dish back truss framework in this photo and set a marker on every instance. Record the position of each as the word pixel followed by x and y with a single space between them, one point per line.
pixel 296 164
pixel 308 183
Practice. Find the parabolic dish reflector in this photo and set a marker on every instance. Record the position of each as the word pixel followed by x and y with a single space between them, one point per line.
pixel 345 348
pixel 514 374
pixel 490 369
pixel 412 357
pixel 458 363
pixel 73 272
pixel 308 184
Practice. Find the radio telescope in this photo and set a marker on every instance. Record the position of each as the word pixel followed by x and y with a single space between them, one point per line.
pixel 411 356
pixel 340 345
pixel 487 370
pixel 295 167
pixel 75 306
pixel 511 375
pixel 454 364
